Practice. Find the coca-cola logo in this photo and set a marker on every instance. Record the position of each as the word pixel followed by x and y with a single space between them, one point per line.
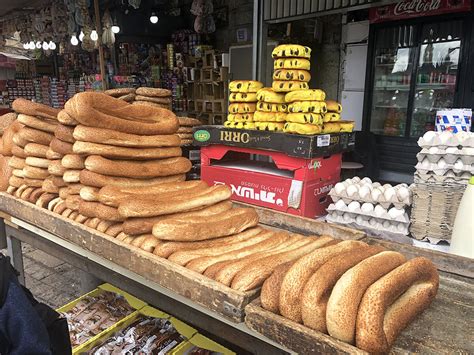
pixel 416 6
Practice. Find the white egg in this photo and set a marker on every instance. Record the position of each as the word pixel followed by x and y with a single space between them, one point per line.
pixel 386 186
pixel 375 194
pixel 452 150
pixel 367 208
pixel 376 184
pixel 403 193
pixel 401 227
pixel 340 205
pixel 373 222
pixel 429 136
pixel 395 212
pixel 354 206
pixel 339 188
pixel 433 150
pixel 390 194
pixel 364 193
pixel 352 191
pixel 349 181
pixel 347 217
pixel 442 164
pixel 386 224
pixel 425 164
pixel 459 165
pixel 379 211
pixel 444 137
pixel 356 179
pixel 367 180
pixel 360 220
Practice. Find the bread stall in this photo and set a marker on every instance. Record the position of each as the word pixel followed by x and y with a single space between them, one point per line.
pixel 102 185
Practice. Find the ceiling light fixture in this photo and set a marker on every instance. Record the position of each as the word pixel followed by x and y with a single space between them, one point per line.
pixel 94 35
pixel 115 29
pixel 74 40
pixel 153 18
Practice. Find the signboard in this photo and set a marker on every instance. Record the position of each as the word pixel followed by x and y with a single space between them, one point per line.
pixel 406 9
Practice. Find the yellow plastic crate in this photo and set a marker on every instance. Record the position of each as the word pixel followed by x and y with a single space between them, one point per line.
pixel 182 328
pixel 132 301
pixel 202 342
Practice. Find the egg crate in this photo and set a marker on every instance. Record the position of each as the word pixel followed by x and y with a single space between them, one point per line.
pixel 449 178
pixel 371 225
pixel 450 155
pixel 392 215
pixel 446 139
pixel 434 209
pixel 366 191
pixel 455 170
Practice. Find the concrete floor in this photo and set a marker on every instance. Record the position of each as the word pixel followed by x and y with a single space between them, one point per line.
pixel 49 279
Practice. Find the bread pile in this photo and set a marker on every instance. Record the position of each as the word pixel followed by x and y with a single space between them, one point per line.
pixel 243 100
pixel 113 143
pixel 35 125
pixel 7 129
pixel 125 94
pixel 271 110
pixel 154 97
pixel 291 67
pixel 360 294
pixel 185 130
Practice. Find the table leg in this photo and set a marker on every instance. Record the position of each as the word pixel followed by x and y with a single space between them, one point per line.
pixel 16 256
pixel 3 234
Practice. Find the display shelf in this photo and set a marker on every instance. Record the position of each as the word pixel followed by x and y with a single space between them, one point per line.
pixel 394 87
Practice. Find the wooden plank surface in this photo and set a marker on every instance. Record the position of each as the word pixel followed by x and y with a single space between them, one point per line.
pixel 303 225
pixel 207 292
pixel 446 327
pixel 451 263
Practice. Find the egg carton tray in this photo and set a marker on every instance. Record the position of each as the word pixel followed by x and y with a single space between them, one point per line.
pixel 446 139
pixel 401 217
pixel 450 155
pixel 393 231
pixel 457 169
pixel 450 177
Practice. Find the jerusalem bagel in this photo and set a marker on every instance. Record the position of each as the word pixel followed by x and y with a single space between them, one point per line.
pixel 317 290
pixel 52 155
pixel 158 100
pixel 44 199
pixel 73 161
pixel 72 176
pixel 90 178
pixel 270 295
pixel 61 147
pixel 16 163
pixel 32 172
pixel 112 137
pixel 343 303
pixel 55 168
pixel 65 119
pixel 391 303
pixel 109 151
pixel 89 193
pixel 49 187
pixel 37 162
pixel 138 169
pixel 142 208
pixel 223 224
pixel 19 140
pixel 144 225
pixel 35 136
pixel 31 108
pixel 15 181
pixel 297 276
pixel 45 125
pixel 36 150
pixel 119 91
pixel 103 111
pixel 18 151
pixel 114 230
pixel 98 210
pixel 64 133
pixel 154 92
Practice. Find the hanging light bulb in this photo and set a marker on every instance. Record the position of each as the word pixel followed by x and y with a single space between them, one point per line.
pixel 81 36
pixel 38 45
pixel 153 18
pixel 115 29
pixel 26 46
pixel 31 45
pixel 94 35
pixel 52 45
pixel 45 46
pixel 74 40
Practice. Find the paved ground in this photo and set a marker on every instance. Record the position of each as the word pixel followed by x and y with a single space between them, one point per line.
pixel 51 281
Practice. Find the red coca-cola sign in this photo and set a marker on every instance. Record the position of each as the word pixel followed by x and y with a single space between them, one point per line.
pixel 405 9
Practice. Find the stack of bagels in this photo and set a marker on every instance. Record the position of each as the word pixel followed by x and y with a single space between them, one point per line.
pixel 117 144
pixel 125 94
pixel 154 97
pixel 360 294
pixel 35 125
pixel 7 129
pixel 185 130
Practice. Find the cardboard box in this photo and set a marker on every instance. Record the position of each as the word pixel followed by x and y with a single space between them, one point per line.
pixel 292 144
pixel 292 185
pixel 454 120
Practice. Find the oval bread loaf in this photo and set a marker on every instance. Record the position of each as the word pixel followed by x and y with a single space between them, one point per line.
pixel 35 135
pixel 73 161
pixel 90 178
pixel 31 108
pixel 65 119
pixel 64 133
pixel 98 210
pixel 61 147
pixel 45 125
pixel 110 151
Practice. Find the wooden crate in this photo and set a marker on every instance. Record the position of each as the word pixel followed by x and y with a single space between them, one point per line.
pixel 207 292
pixel 446 327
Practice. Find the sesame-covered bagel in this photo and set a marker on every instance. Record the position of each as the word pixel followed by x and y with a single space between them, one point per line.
pixel 291 50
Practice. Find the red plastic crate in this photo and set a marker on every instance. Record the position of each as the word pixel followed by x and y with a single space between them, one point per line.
pixel 293 185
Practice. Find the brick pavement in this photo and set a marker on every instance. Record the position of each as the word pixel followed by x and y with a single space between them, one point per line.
pixel 51 280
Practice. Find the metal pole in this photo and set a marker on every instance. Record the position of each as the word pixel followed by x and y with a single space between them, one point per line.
pixel 101 48
pixel 259 42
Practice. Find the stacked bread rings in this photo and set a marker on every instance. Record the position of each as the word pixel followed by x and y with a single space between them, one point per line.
pixel 242 103
pixel 332 119
pixel 305 111
pixel 291 67
pixel 34 132
pixel 185 130
pixel 271 110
